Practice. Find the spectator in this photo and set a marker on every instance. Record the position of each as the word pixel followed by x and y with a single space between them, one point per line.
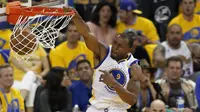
pixel 73 46
pixel 138 52
pixel 26 73
pixel 149 91
pixel 84 7
pixel 157 106
pixel 160 12
pixel 103 22
pixel 54 96
pixel 173 46
pixel 197 91
pixel 82 90
pixel 197 9
pixel 129 19
pixel 174 86
pixel 195 51
pixel 189 22
pixel 8 95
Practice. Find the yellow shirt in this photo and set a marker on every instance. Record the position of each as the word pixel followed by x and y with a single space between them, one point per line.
pixel 191 29
pixel 14 94
pixel 62 56
pixel 34 63
pixel 143 25
pixel 4 44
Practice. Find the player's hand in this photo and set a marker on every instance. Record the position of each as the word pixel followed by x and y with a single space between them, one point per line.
pixel 71 9
pixel 107 78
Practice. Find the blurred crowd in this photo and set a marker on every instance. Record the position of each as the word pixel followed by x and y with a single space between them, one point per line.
pixel 60 79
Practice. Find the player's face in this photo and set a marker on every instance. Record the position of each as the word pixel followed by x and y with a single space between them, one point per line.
pixel 120 48
pixel 123 15
pixel 174 36
pixel 188 7
pixel 105 14
pixel 174 70
pixel 72 35
pixel 6 77
pixel 85 71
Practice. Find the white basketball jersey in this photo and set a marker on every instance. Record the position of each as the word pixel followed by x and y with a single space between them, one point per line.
pixel 183 50
pixel 105 96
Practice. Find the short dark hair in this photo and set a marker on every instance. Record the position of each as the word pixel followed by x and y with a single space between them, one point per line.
pixel 82 61
pixel 193 0
pixel 170 26
pixel 130 36
pixel 5 66
pixel 95 15
pixel 176 59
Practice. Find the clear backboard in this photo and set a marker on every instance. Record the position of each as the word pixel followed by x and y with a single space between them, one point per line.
pixel 51 3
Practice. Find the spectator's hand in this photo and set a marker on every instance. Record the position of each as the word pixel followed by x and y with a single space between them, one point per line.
pixel 107 78
pixel 143 40
pixel 42 81
pixel 187 110
pixel 146 109
pixel 149 84
pixel 184 59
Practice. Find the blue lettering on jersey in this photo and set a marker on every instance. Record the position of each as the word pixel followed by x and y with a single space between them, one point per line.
pixel 194 33
pixel 120 76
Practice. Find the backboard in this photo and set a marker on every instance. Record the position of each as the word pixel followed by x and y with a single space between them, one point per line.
pixel 51 3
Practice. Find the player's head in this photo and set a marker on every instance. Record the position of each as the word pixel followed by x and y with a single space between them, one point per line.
pixel 188 7
pixel 174 35
pixel 6 76
pixel 72 35
pixel 123 44
pixel 84 70
pixel 127 8
pixel 157 106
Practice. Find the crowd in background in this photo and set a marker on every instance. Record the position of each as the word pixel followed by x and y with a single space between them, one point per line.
pixel 60 79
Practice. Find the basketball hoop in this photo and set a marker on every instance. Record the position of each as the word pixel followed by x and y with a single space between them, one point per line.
pixel 42 23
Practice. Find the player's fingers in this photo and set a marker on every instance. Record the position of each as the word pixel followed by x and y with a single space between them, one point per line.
pixel 101 78
pixel 68 9
pixel 103 71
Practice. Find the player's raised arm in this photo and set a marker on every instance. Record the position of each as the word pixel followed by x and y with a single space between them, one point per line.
pixel 91 41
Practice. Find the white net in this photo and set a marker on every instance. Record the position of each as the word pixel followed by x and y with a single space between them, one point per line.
pixel 29 32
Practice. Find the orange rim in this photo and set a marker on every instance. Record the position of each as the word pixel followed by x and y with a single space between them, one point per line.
pixel 14 10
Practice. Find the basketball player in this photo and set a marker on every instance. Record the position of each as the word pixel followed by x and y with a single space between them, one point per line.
pixel 113 89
